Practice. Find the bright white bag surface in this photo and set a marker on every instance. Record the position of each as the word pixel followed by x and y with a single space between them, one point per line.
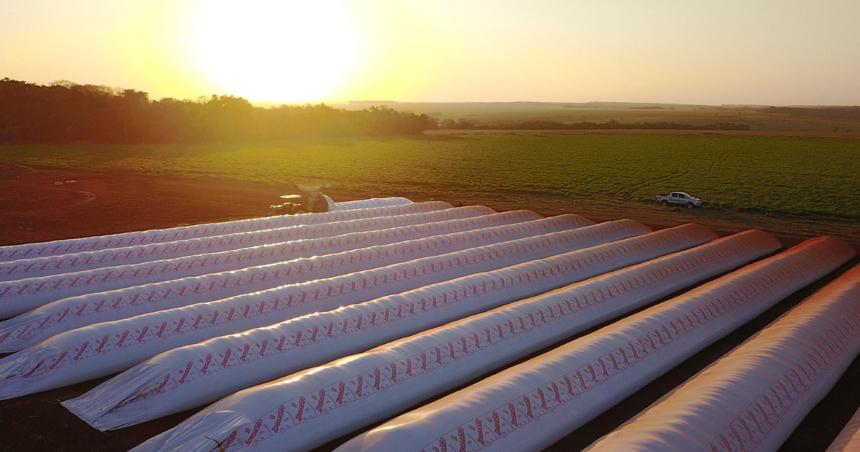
pixel 176 380
pixel 58 247
pixel 532 405
pixel 754 397
pixel 25 294
pixel 365 203
pixel 88 260
pixel 400 244
pixel 107 347
pixel 849 438
pixel 429 363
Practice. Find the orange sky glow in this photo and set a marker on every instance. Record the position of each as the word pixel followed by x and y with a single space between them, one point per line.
pixel 271 51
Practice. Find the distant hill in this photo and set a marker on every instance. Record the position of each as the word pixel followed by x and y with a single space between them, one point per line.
pixel 830 119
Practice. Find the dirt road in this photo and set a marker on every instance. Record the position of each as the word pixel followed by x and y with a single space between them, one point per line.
pixel 40 204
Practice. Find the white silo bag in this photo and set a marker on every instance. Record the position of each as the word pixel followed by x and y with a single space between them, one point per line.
pixel 533 404
pixel 66 246
pixel 481 342
pixel 107 347
pixel 753 397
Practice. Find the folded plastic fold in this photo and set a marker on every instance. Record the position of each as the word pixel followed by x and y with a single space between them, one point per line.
pixel 754 397
pixel 365 388
pixel 532 405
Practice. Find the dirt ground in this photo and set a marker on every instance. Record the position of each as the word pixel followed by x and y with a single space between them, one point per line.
pixel 40 204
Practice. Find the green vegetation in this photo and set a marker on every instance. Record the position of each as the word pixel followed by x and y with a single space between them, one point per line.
pixel 65 112
pixel 767 174
pixel 840 121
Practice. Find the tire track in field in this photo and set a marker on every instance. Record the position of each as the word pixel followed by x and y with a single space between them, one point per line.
pixel 719 161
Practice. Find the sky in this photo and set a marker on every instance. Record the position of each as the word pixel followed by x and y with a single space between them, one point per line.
pixel 764 52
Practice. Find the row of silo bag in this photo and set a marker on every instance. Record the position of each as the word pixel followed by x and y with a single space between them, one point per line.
pixel 102 348
pixel 197 372
pixel 754 397
pixel 536 403
pixel 147 398
pixel 113 257
pixel 330 256
pixel 397 375
pixel 308 408
pixel 26 293
pixel 364 209
pixel 194 375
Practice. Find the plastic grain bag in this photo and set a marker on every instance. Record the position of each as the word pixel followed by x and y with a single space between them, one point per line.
pixel 534 404
pixel 58 247
pixel 365 203
pixel 371 386
pixel 88 260
pixel 25 294
pixel 382 247
pixel 107 347
pixel 754 397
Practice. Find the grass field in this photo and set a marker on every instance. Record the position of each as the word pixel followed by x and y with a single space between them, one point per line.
pixel 795 188
pixel 839 121
pixel 767 174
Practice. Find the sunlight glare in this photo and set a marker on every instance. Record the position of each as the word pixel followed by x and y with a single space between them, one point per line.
pixel 275 51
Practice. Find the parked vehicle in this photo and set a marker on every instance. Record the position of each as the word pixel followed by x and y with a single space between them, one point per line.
pixel 679 198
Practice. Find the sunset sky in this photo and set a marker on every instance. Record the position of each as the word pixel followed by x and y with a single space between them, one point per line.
pixel 712 52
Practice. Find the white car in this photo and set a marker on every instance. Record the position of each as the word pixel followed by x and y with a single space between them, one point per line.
pixel 679 198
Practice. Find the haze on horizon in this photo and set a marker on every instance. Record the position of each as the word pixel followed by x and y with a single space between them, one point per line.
pixel 789 52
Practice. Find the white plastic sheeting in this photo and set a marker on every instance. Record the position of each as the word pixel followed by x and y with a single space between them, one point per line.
pixel 88 260
pixel 107 347
pixel 849 438
pixel 364 203
pixel 63 315
pixel 755 396
pixel 533 404
pixel 177 380
pixel 365 388
pixel 25 294
pixel 58 247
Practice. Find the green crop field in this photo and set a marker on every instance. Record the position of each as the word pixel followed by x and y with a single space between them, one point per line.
pixel 767 174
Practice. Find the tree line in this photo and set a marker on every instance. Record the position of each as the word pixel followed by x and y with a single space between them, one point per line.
pixel 585 125
pixel 65 112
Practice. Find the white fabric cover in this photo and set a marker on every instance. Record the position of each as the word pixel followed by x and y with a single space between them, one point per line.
pixel 849 438
pixel 532 405
pixel 25 294
pixel 107 347
pixel 63 315
pixel 426 364
pixel 754 397
pixel 365 203
pixel 175 380
pixel 58 247
pixel 88 260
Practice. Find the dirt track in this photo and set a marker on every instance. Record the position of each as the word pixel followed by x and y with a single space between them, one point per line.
pixel 41 204
pixel 35 207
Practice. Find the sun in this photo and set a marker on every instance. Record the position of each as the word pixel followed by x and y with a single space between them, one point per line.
pixel 274 50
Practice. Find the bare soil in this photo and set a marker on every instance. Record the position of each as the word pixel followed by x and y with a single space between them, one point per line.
pixel 40 204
